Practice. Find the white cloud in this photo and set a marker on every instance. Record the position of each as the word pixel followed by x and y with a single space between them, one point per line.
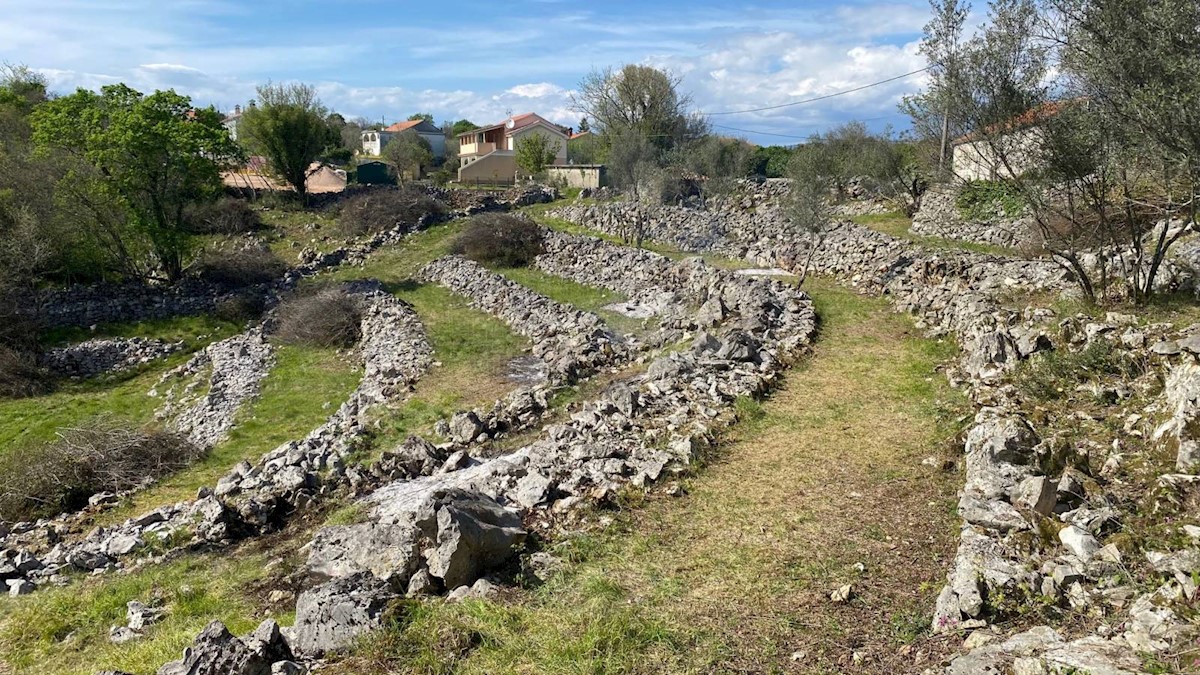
pixel 539 90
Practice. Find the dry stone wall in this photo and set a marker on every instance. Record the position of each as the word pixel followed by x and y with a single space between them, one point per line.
pixel 1011 485
pixel 939 216
pixel 106 355
pixel 251 498
pixel 233 370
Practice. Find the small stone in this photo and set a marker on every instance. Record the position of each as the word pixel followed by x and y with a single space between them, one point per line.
pixel 119 635
pixel 842 594
pixel 1080 541
pixel 20 587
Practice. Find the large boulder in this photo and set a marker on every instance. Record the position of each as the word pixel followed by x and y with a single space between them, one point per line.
pixel 473 534
pixel 389 552
pixel 332 615
pixel 217 652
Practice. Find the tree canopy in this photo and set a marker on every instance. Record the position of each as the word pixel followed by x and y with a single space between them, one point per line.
pixel 151 156
pixel 408 153
pixel 288 127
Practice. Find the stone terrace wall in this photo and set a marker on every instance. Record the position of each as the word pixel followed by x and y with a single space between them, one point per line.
pixel 939 216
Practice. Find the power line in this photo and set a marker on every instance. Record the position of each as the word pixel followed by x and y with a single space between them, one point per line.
pixel 820 98
pixel 813 126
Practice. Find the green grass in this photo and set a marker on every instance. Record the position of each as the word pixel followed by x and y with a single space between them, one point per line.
pixel 586 298
pixel 306 385
pixel 735 576
pixel 65 630
pixel 288 226
pixel 123 396
pixel 897 224
pixel 195 331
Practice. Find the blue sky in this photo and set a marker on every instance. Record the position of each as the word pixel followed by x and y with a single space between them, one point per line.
pixel 480 60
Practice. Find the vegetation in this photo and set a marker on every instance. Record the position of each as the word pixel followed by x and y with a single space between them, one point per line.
pixel 319 317
pixel 223 216
pixel 382 210
pixel 1080 106
pixel 244 267
pixel 288 127
pixel 535 152
pixel 408 154
pixel 500 239
pixel 45 480
pixel 986 199
pixel 144 160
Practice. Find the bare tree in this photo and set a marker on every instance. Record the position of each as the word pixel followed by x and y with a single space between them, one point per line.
pixel 639 98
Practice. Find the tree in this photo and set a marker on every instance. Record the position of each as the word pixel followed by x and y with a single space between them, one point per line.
pixel 408 153
pixel 584 127
pixel 428 117
pixel 587 149
pixel 942 47
pixel 633 163
pixel 152 156
pixel 463 126
pixel 639 98
pixel 288 127
pixel 534 152
pixel 771 161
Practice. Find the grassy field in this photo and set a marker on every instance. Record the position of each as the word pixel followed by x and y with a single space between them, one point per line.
pixel 65 630
pixel 121 396
pixel 306 385
pixel 736 575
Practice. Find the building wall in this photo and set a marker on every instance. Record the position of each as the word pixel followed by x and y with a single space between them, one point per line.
pixel 979 160
pixel 498 167
pixel 579 176
pixel 437 143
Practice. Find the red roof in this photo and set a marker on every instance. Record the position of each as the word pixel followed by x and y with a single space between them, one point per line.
pixel 403 126
pixel 519 122
pixel 1029 118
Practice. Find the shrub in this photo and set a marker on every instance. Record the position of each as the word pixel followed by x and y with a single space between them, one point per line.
pixel 227 215
pixel 382 210
pixel 42 480
pixel 500 239
pixel 984 200
pixel 1055 375
pixel 244 306
pixel 239 268
pixel 20 374
pixel 324 317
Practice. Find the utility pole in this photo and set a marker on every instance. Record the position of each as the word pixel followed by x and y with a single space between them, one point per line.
pixel 945 132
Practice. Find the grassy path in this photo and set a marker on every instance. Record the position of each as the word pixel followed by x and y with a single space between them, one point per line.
pixel 820 486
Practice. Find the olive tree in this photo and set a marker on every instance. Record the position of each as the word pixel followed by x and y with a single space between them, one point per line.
pixel 408 153
pixel 638 98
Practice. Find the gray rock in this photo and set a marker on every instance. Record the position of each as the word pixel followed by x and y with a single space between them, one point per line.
pixel 119 635
pixel 464 427
pixel 474 534
pixel 20 587
pixel 217 652
pixel 389 552
pixel 332 615
pixel 138 616
pixel 1079 541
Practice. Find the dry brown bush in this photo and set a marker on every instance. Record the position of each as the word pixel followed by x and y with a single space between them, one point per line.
pixel 20 374
pixel 227 215
pixel 239 268
pixel 382 210
pixel 322 317
pixel 42 480
pixel 501 239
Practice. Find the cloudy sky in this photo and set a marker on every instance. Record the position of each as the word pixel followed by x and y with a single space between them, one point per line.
pixel 481 60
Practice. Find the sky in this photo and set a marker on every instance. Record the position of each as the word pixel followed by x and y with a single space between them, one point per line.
pixel 483 60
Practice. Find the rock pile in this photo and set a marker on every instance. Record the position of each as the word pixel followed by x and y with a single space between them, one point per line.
pixel 572 343
pixel 939 216
pixel 251 498
pixel 235 368
pixel 106 355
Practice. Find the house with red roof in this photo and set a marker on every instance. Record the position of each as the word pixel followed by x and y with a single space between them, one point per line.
pixel 489 153
pixel 374 141
pixel 1002 149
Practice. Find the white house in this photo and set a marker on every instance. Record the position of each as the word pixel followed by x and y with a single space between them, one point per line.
pixel 231 122
pixel 373 142
pixel 1012 146
pixel 489 153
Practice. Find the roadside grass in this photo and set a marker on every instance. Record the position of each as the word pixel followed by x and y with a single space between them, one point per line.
pixel 735 576
pixel 897 224
pixel 305 386
pixel 65 630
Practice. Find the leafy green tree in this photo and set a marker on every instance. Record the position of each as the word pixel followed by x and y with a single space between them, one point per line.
pixel 715 164
pixel 428 117
pixel 587 149
pixel 584 126
pixel 151 156
pixel 463 126
pixel 535 152
pixel 288 127
pixel 770 161
pixel 408 153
